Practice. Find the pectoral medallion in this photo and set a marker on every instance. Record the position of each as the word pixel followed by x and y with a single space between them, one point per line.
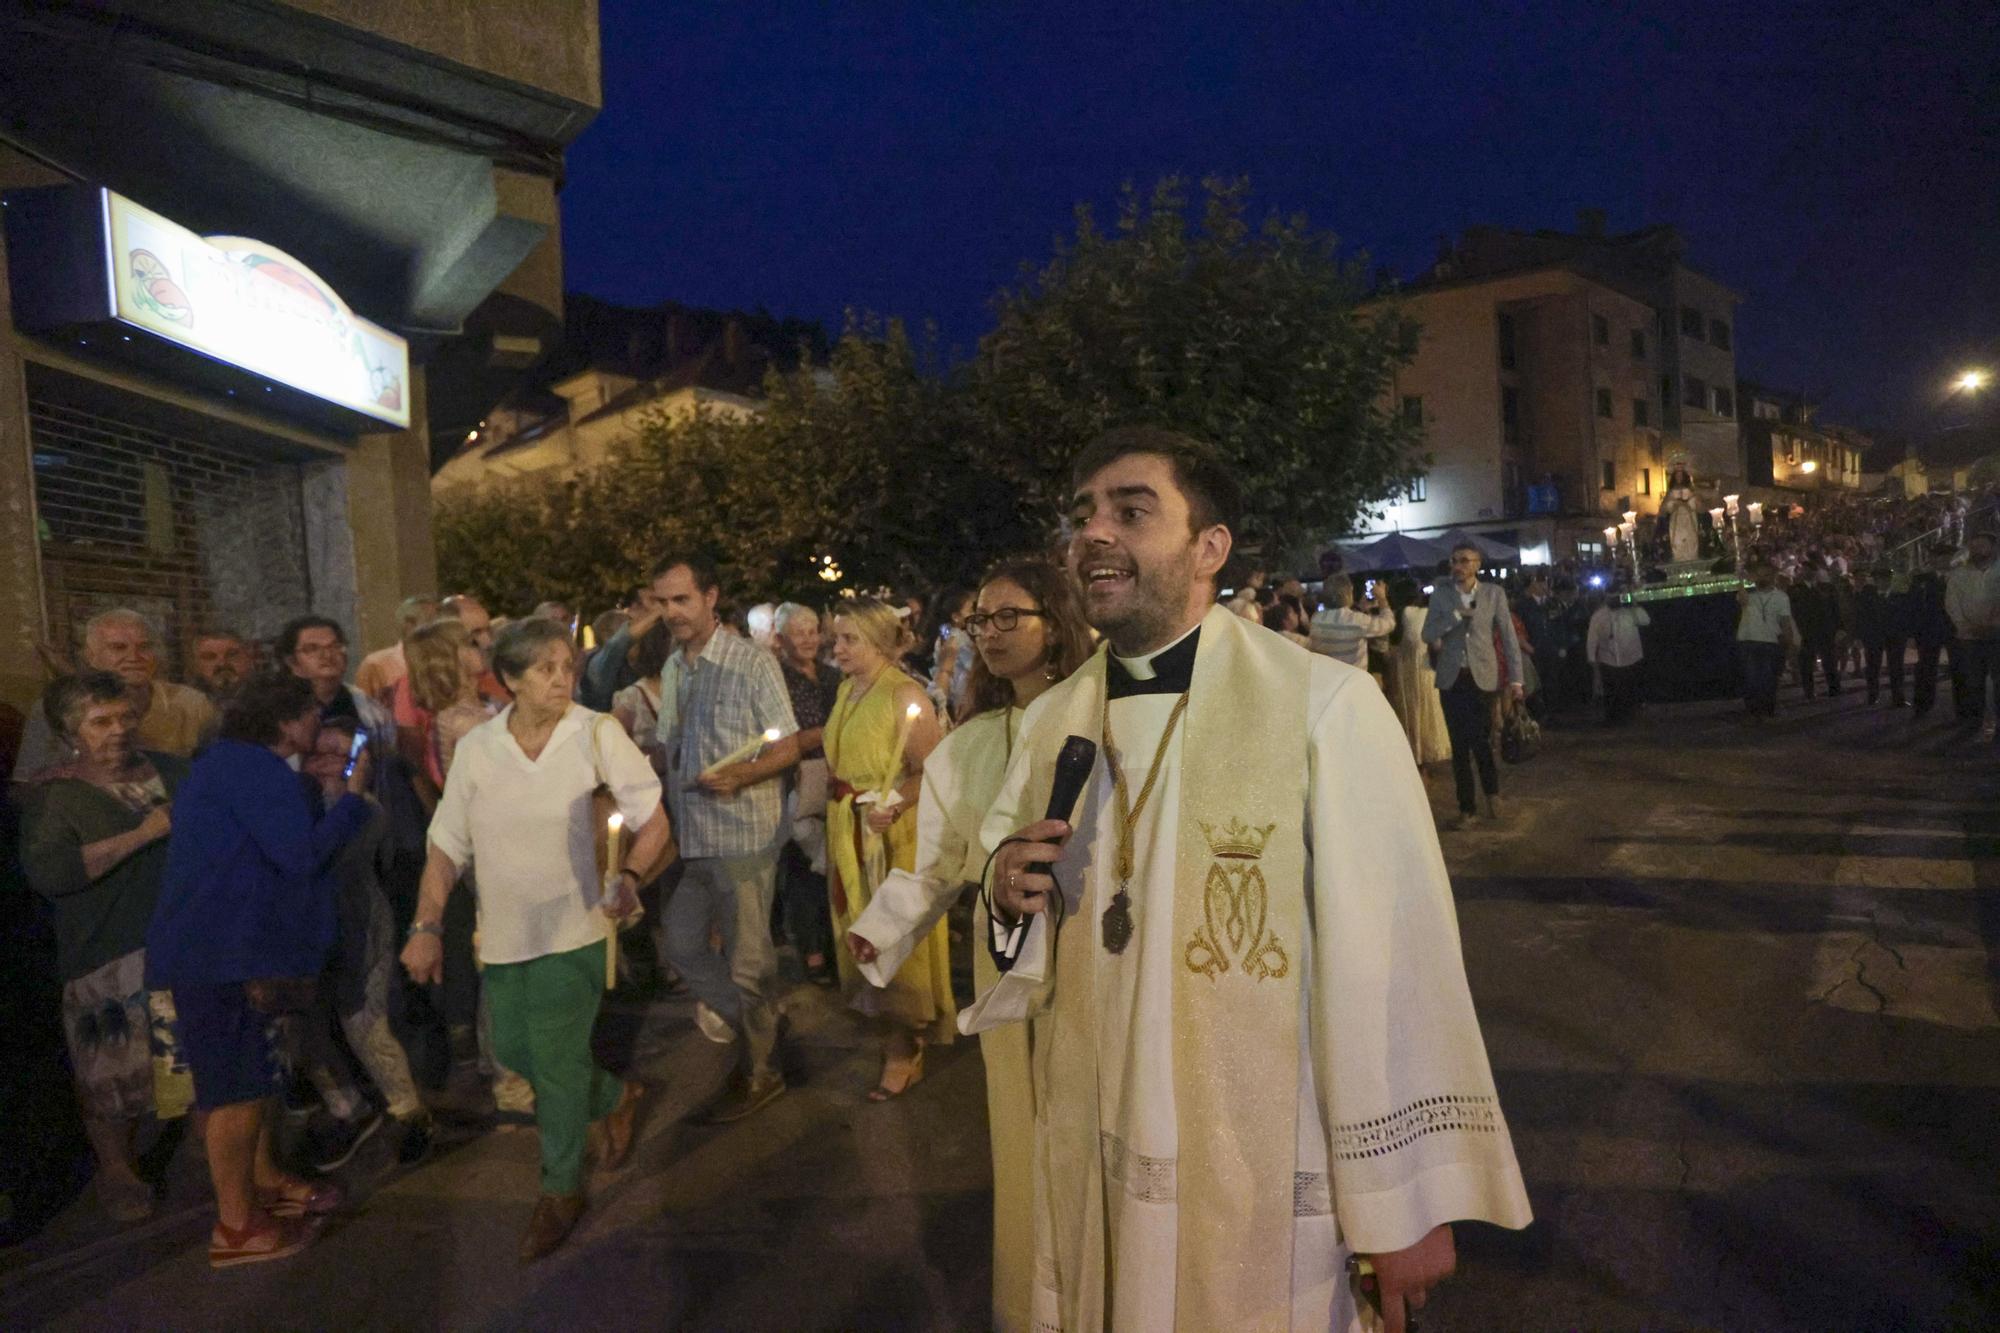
pixel 1117 922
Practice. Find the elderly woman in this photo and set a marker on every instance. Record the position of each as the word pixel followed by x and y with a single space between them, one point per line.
pixel 1028 624
pixel 244 923
pixel 518 802
pixel 94 844
pixel 871 827
pixel 802 871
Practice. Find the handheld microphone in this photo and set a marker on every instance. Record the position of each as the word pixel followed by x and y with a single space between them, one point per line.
pixel 1073 765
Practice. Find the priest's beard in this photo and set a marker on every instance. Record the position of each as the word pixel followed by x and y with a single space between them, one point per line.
pixel 1152 611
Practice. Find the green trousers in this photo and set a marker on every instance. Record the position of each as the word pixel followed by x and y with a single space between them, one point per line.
pixel 543 1011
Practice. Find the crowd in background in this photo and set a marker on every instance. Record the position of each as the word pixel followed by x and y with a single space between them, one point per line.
pixel 250 876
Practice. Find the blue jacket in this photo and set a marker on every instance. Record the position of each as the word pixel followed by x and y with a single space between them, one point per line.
pixel 246 893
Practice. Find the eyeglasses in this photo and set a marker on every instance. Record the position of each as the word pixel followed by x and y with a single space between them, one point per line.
pixel 1005 619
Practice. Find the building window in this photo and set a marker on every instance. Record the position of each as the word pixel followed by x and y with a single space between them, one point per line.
pixel 1645 481
pixel 1764 409
pixel 1413 409
pixel 1610 476
pixel 1642 412
pixel 1506 342
pixel 1604 403
pixel 1418 492
pixel 1694 393
pixel 1718 333
pixel 1510 415
pixel 1691 322
pixel 1667 389
pixel 1638 344
pixel 1725 402
pixel 1600 330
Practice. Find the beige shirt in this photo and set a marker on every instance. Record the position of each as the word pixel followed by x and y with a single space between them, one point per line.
pixel 178 719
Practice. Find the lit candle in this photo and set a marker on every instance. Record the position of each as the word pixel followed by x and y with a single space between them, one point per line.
pixel 613 827
pixel 903 727
pixel 1716 514
pixel 743 751
pixel 1611 537
pixel 1730 502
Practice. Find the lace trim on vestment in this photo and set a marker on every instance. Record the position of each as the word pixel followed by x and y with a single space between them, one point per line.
pixel 1147 1179
pixel 1312 1194
pixel 1464 1113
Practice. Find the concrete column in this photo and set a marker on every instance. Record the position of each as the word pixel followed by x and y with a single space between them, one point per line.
pixel 389 513
pixel 23 617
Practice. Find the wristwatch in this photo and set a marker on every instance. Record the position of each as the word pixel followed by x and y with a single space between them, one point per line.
pixel 426 928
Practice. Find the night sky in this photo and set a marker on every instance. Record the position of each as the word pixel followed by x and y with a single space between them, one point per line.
pixel 1840 170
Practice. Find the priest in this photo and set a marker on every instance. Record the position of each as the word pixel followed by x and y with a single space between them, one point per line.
pixel 1255 1055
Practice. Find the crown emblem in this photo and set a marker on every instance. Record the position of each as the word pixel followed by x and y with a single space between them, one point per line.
pixel 1237 840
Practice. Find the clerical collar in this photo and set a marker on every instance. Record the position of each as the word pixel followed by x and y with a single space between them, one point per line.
pixel 1165 670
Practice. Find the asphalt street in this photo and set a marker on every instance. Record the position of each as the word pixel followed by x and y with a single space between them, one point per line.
pixel 1739 988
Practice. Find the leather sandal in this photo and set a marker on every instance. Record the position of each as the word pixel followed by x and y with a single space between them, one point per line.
pixel 554 1218
pixel 301 1199
pixel 913 1074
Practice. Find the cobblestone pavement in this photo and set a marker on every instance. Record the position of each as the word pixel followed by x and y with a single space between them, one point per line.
pixel 1739 988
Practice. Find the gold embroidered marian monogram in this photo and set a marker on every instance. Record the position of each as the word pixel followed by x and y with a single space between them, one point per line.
pixel 1235 904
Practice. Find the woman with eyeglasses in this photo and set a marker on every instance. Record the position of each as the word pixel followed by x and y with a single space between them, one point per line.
pixel 1027 624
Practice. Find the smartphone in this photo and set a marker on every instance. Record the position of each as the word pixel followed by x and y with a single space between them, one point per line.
pixel 354 752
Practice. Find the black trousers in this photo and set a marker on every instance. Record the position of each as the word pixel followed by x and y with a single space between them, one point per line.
pixel 803 909
pixel 1973 662
pixel 1821 650
pixel 1468 719
pixel 1924 687
pixel 1621 692
pixel 1873 655
pixel 1761 662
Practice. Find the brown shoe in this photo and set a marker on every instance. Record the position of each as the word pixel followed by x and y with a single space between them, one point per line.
pixel 555 1216
pixel 620 1129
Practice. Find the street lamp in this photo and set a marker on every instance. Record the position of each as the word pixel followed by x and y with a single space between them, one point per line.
pixel 1972 381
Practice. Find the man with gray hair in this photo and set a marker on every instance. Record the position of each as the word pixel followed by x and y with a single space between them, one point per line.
pixel 379 671
pixel 173 719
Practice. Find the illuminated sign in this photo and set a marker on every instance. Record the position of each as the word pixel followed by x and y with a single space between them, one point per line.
pixel 252 305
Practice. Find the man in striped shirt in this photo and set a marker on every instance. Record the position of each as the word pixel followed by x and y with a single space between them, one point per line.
pixel 718 691
pixel 1341 630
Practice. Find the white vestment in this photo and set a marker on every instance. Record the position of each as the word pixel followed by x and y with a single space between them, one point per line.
pixel 1405 1167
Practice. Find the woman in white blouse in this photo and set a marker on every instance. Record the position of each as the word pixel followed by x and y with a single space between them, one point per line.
pixel 1029 630
pixel 518 802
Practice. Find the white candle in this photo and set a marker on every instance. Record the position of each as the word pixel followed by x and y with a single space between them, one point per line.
pixel 903 727
pixel 743 751
pixel 613 827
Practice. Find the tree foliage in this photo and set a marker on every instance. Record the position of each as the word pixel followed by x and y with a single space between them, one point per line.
pixel 1252 339
pixel 904 472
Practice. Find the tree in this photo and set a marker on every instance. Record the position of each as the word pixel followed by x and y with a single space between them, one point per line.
pixel 1260 342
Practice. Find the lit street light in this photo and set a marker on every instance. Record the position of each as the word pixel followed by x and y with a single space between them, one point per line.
pixel 1972 381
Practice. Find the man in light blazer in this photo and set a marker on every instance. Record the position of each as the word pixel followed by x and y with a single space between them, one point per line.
pixel 1465 620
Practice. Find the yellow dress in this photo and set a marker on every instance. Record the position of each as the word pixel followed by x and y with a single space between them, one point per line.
pixel 860 750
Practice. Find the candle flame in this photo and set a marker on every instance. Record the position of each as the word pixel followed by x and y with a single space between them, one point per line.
pixel 770 735
pixel 616 822
pixel 912 711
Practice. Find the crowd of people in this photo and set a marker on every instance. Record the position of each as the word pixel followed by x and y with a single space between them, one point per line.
pixel 254 877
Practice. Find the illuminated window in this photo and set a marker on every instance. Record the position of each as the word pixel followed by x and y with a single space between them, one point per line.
pixel 1418 492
